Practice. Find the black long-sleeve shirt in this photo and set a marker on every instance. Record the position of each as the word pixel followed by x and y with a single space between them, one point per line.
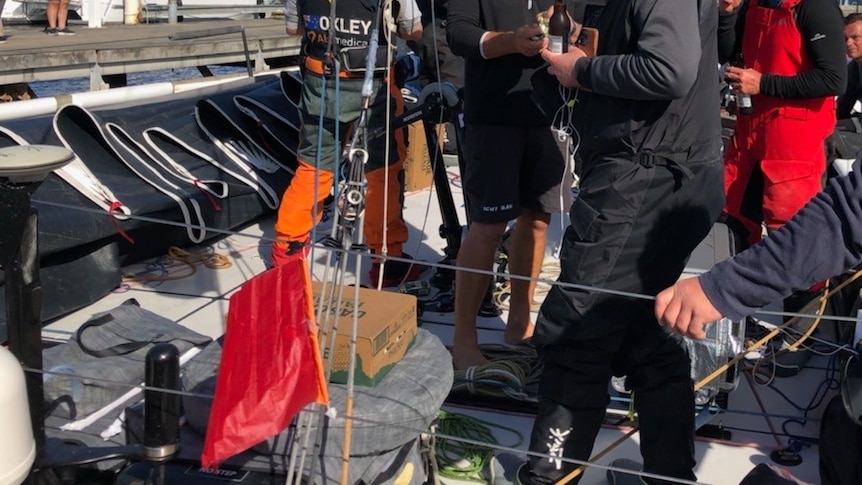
pixel 822 28
pixel 497 91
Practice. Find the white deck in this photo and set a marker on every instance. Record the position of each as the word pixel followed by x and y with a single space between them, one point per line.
pixel 200 303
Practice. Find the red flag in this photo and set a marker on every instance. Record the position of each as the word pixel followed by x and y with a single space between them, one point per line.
pixel 270 365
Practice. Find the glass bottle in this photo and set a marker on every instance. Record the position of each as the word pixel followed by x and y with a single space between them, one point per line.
pixel 559 28
pixel 744 105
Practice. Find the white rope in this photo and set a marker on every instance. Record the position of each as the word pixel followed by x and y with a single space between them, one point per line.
pixel 76 174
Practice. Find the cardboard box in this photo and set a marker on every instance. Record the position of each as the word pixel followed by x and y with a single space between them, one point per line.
pixel 418 171
pixel 385 330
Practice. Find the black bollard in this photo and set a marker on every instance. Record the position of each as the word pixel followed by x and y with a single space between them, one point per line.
pixel 162 409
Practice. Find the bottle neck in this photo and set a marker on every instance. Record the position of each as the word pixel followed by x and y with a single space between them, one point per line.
pixel 560 10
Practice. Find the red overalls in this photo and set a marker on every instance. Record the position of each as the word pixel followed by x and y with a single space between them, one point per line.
pixel 783 137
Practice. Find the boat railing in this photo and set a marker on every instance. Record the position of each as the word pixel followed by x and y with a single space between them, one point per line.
pixel 159 11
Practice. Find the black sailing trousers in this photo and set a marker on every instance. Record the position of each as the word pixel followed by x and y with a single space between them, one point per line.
pixel 633 228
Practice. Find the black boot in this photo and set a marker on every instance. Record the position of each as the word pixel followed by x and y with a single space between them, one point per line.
pixel 666 418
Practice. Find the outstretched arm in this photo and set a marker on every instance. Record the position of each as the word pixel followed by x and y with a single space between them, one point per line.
pixel 822 240
pixel 663 66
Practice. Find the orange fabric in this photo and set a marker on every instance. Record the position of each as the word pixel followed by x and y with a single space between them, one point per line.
pixel 376 192
pixel 374 222
pixel 296 211
pixel 279 254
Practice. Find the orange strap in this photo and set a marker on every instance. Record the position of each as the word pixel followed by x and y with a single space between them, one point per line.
pixel 316 66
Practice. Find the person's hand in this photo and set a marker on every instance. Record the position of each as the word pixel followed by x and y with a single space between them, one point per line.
pixel 562 66
pixel 743 80
pixel 529 40
pixel 727 6
pixel 685 309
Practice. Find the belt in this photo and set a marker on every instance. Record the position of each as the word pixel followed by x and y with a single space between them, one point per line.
pixel 316 66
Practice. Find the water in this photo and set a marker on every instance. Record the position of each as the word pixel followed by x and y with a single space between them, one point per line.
pixel 45 89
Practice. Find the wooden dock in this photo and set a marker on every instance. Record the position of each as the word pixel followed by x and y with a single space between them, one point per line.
pixel 31 55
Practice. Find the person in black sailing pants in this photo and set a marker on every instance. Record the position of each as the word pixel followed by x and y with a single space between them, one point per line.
pixel 650 191
pixel 320 123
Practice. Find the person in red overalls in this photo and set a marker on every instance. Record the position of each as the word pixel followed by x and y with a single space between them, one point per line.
pixel 793 54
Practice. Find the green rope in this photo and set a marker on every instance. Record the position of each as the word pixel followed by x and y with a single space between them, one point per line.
pixel 458 454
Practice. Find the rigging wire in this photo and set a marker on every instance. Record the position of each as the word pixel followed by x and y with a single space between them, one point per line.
pixel 31 369
pixel 721 369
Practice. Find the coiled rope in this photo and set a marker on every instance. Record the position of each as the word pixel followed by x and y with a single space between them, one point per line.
pixel 509 373
pixel 180 258
pixel 464 445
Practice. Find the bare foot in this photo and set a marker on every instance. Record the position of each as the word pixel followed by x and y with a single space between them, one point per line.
pixel 464 357
pixel 516 334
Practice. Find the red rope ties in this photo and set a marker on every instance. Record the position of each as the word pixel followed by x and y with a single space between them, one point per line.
pixel 115 206
pixel 209 196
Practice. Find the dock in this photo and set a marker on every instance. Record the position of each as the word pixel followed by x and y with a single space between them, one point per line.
pixel 113 50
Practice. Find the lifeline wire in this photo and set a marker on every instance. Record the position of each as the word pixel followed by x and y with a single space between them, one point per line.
pixel 637 296
pixel 109 383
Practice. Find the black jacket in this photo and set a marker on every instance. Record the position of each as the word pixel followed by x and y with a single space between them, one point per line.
pixel 653 89
pixel 853 92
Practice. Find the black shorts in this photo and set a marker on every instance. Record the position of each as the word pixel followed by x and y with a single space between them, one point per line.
pixel 510 168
